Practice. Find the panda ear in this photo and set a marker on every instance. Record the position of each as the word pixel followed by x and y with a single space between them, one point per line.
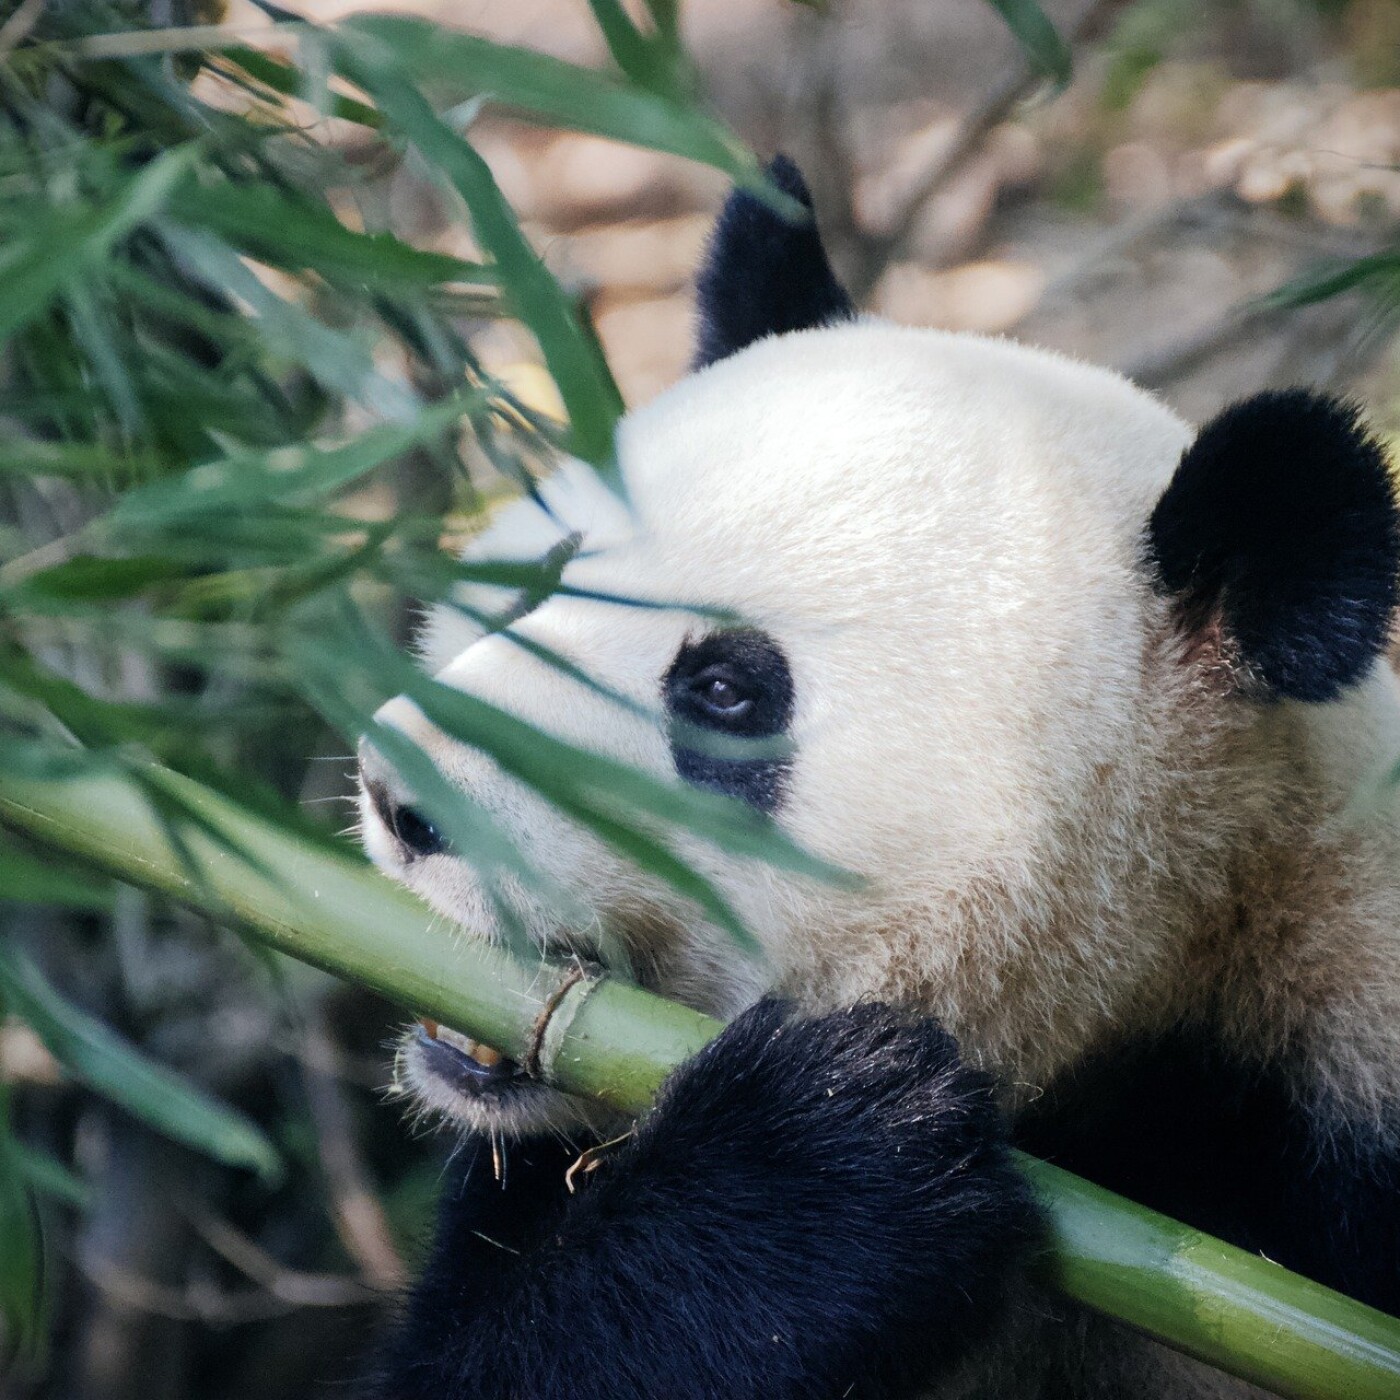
pixel 1279 537
pixel 764 274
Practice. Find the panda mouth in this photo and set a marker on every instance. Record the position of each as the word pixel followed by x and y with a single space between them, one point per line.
pixel 471 1067
pixel 477 1086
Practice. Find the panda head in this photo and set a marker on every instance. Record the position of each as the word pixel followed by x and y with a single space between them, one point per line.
pixel 996 630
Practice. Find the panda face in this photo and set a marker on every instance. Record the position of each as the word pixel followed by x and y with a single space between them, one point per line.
pixel 978 623
pixel 861 617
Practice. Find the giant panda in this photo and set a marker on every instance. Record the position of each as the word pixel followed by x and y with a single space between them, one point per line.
pixel 1097 706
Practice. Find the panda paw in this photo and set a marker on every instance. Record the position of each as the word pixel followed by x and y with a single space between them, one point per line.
pixel 869 1097
pixel 852 1173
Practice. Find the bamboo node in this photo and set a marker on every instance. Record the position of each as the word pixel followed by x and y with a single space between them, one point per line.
pixel 540 1027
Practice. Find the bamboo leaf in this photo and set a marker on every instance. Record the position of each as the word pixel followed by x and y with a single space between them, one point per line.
pixel 21 1249
pixel 652 61
pixel 461 66
pixel 28 879
pixel 249 482
pixel 585 383
pixel 464 822
pixel 341 364
pixel 594 787
pixel 47 1176
pixel 1038 38
pixel 62 253
pixel 78 460
pixel 119 1072
pixel 283 78
pixel 87 577
pixel 291 231
pixel 1380 271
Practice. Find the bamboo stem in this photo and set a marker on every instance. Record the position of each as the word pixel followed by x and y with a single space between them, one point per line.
pixel 595 1036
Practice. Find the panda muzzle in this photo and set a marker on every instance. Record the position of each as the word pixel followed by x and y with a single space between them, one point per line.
pixel 470 1063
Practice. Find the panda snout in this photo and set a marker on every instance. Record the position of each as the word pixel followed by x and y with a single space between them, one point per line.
pixel 414 833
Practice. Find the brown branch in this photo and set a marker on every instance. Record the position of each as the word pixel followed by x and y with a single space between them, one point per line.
pixel 295 1288
pixel 355 1208
pixel 195 1302
pixel 1157 368
pixel 878 250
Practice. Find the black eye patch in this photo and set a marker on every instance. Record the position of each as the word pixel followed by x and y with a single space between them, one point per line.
pixel 732 685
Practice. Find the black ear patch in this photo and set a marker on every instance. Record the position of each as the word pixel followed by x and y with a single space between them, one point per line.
pixel 764 275
pixel 1280 532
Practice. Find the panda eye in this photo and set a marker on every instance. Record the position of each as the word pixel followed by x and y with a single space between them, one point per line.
pixel 722 694
pixel 734 683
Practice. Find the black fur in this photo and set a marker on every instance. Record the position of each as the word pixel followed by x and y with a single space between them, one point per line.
pixel 814 1208
pixel 1231 1148
pixel 756 669
pixel 484 1226
pixel 764 275
pixel 1281 526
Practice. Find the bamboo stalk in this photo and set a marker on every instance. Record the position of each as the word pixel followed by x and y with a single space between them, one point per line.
pixel 595 1036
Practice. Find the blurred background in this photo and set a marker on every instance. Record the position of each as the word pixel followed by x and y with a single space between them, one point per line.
pixel 1206 153
pixel 1211 204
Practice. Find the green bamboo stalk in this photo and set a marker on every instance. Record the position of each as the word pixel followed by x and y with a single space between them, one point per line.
pixel 596 1036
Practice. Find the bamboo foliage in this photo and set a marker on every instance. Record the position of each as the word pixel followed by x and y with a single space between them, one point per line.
pixel 213 355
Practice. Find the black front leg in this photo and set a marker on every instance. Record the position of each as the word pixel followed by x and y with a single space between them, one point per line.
pixel 814 1208
pixel 487 1223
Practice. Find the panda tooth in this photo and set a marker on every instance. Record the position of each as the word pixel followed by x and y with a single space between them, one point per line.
pixel 486 1055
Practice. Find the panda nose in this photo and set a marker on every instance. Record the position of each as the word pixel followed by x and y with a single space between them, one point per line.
pixel 416 834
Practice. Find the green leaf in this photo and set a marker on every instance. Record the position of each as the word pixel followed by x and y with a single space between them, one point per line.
pixel 92 721
pixel 63 252
pixel 465 823
pixel 599 791
pixel 47 1176
pixel 593 783
pixel 585 383
pixel 1039 39
pixel 20 458
pixel 101 344
pixel 283 78
pixel 294 232
pixel 1380 271
pixel 652 855
pixel 21 1253
pixel 464 66
pixel 119 1072
pixel 654 61
pixel 625 807
pixel 340 363
pixel 85 576
pixel 28 879
pixel 249 482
